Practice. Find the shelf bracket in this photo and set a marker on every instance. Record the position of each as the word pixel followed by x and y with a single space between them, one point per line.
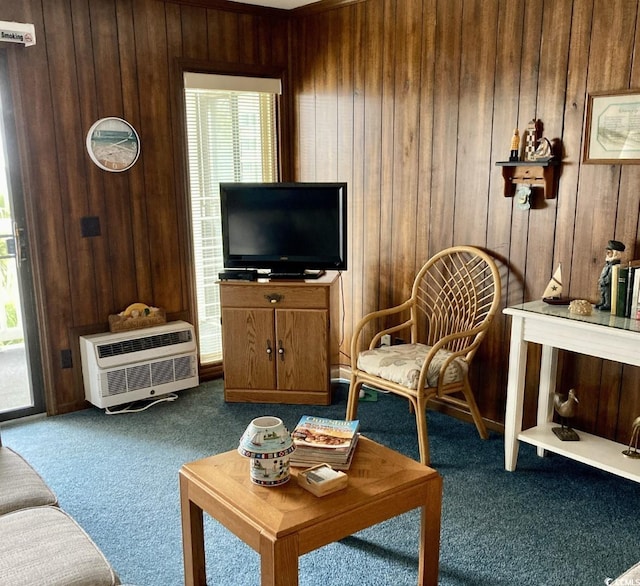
pixel 534 173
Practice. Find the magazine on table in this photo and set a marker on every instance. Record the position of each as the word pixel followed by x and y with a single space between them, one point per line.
pixel 322 440
pixel 303 460
pixel 325 434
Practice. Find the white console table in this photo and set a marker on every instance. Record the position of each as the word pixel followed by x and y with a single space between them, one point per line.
pixel 601 335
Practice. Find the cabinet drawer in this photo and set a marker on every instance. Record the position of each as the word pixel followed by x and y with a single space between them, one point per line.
pixel 261 295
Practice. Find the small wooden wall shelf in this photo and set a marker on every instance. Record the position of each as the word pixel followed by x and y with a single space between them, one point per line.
pixel 534 173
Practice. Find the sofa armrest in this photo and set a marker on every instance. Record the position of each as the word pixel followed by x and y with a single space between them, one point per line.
pixel 21 485
pixel 45 546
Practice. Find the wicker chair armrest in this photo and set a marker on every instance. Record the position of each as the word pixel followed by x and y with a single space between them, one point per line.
pixel 442 343
pixel 374 315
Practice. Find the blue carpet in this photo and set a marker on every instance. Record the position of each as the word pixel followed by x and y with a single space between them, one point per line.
pixel 552 522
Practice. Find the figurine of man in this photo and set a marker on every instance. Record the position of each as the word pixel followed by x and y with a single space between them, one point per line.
pixel 514 154
pixel 615 249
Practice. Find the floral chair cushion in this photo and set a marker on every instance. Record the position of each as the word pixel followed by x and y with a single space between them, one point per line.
pixel 401 364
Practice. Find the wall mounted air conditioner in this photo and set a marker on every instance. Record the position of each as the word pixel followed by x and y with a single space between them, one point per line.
pixel 140 364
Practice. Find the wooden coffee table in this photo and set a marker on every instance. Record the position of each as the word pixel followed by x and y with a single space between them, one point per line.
pixel 285 522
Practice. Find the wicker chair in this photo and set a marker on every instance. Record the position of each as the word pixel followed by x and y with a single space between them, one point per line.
pixel 453 300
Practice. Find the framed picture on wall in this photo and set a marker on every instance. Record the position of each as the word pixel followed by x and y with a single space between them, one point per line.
pixel 612 128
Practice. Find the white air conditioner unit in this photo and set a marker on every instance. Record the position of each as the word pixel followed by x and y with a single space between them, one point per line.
pixel 140 364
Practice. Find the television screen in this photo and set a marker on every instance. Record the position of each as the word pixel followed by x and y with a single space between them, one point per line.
pixel 284 227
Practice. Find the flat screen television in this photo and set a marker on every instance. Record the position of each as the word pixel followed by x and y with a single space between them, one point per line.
pixel 289 230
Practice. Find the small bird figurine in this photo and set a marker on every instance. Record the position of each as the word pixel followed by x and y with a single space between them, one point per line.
pixel 632 451
pixel 566 406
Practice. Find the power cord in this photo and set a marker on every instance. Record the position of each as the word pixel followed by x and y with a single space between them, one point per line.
pixel 129 408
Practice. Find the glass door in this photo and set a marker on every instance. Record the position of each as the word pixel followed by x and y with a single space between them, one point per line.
pixel 21 383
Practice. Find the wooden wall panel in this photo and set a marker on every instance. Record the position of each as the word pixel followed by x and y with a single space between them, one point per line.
pixel 356 226
pixel 425 128
pixel 410 101
pixel 387 295
pixel 326 57
pixel 67 127
pixel 367 288
pixel 139 232
pixel 475 115
pixel 406 125
pixel 115 58
pixel 446 95
pixel 527 70
pixel 104 93
pixel 303 98
pixel 500 209
pixel 495 66
pixel 192 23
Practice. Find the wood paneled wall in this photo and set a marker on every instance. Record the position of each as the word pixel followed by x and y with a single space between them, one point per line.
pixel 413 101
pixel 97 58
pixel 410 101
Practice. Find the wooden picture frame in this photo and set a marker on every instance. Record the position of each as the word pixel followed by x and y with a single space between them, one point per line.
pixel 612 128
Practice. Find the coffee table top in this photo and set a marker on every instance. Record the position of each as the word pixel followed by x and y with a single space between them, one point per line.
pixel 377 474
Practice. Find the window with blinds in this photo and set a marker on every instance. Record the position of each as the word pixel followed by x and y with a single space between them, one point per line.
pixel 232 136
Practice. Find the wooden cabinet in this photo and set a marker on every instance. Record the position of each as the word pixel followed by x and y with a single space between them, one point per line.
pixel 280 339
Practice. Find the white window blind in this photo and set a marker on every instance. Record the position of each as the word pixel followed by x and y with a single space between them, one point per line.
pixel 232 136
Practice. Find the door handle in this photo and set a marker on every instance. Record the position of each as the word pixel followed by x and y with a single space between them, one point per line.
pixel 281 350
pixel 269 350
pixel 20 243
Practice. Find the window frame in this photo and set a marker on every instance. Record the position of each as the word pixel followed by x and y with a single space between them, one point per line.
pixel 181 155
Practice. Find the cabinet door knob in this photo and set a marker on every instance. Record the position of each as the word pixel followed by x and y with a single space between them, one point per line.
pixel 281 350
pixel 274 297
pixel 269 350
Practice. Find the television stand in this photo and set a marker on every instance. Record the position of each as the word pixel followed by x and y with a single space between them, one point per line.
pixel 296 275
pixel 279 341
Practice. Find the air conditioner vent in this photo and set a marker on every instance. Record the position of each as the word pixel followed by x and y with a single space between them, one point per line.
pixel 145 343
pixel 123 367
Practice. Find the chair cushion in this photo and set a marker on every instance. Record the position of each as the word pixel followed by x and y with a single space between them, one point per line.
pixel 21 486
pixel 401 364
pixel 45 546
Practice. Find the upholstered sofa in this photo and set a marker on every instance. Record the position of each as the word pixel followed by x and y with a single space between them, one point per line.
pixel 41 544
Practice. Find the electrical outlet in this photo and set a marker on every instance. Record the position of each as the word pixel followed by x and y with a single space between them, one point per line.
pixel 90 226
pixel 386 340
pixel 66 361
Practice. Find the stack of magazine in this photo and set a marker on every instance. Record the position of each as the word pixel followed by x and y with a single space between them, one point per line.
pixel 319 440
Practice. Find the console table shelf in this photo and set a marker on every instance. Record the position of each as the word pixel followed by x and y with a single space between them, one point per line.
pixel 601 335
pixel 592 450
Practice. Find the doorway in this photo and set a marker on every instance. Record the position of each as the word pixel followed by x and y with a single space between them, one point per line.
pixel 21 384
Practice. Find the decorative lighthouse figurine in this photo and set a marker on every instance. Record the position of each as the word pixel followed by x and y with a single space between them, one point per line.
pixel 531 136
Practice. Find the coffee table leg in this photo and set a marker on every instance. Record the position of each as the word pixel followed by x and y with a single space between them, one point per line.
pixel 192 538
pixel 430 535
pixel 279 561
